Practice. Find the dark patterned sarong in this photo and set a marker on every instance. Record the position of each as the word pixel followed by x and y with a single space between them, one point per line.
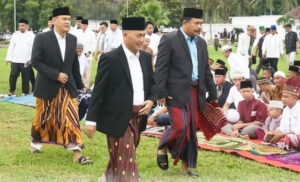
pixel 122 166
pixel 181 138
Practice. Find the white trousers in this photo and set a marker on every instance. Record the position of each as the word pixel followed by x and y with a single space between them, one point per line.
pixel 291 57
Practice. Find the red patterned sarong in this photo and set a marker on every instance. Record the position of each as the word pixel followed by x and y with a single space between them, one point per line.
pixel 122 166
pixel 180 138
pixel 290 142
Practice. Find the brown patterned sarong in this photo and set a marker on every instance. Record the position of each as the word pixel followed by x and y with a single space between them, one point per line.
pixel 57 121
pixel 122 166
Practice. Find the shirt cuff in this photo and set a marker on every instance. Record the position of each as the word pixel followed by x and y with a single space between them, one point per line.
pixel 91 123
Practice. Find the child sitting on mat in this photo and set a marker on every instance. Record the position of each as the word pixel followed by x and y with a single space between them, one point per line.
pixel 288 134
pixel 253 114
pixel 273 120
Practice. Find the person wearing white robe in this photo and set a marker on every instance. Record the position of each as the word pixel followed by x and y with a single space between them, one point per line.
pixel 244 43
pixel 19 55
pixel 288 134
pixel 74 30
pixel 154 39
pixel 83 62
pixel 114 37
pixel 236 61
pixel 272 48
pixel 100 40
pixel 87 37
pixel 50 25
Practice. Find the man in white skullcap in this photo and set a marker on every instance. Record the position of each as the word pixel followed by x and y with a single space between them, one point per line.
pixel 234 96
pixel 287 136
pixel 236 61
pixel 279 81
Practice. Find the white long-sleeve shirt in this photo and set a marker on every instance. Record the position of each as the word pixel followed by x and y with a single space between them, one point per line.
pixel 290 120
pixel 83 64
pixel 75 30
pixel 20 46
pixel 238 62
pixel 243 44
pixel 88 39
pixel 136 78
pixel 113 40
pixel 272 46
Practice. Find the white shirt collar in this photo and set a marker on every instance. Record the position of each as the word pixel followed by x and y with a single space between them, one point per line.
pixel 58 36
pixel 128 53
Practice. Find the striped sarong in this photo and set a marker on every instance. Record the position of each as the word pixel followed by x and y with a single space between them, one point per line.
pixel 180 138
pixel 57 121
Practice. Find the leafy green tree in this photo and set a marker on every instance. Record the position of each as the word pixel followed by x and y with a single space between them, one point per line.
pixel 285 20
pixel 172 8
pixel 47 7
pixel 153 11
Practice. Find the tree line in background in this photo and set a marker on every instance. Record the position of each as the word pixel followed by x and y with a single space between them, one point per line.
pixel 162 12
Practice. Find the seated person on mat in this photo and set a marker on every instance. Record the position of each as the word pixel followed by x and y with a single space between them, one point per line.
pixel 253 114
pixel 273 120
pixel 288 134
pixel 265 89
pixel 159 118
pixel 234 96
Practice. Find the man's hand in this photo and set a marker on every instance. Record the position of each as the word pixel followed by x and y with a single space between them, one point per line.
pixel 147 106
pixel 277 137
pixel 7 62
pixel 263 56
pixel 63 78
pixel 238 126
pixel 161 102
pixel 90 130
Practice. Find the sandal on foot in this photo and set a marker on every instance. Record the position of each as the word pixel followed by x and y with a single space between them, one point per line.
pixel 162 161
pixel 36 152
pixel 84 160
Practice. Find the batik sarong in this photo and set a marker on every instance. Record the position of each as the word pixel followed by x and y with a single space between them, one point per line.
pixel 57 122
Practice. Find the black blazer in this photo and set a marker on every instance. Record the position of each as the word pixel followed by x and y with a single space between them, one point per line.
pixel 47 60
pixel 112 97
pixel 174 71
pixel 225 92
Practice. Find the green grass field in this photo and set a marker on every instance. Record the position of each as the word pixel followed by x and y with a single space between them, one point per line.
pixel 55 164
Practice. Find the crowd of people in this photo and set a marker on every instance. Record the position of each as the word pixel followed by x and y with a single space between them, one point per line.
pixel 139 68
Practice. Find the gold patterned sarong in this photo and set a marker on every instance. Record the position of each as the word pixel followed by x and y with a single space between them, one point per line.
pixel 57 121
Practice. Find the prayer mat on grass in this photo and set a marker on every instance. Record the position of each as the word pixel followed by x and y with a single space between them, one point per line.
pixel 291 158
pixel 243 148
pixel 27 100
